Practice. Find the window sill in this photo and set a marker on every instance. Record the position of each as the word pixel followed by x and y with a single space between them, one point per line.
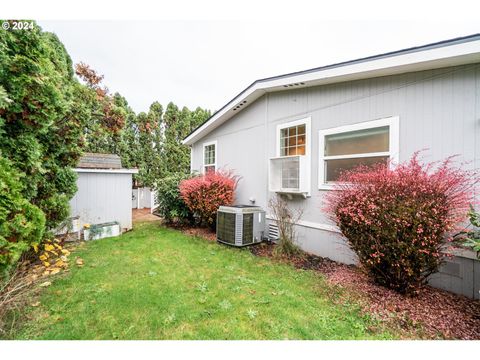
pixel 326 187
pixel 291 193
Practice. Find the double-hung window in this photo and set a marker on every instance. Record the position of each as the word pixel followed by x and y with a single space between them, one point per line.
pixel 346 147
pixel 209 157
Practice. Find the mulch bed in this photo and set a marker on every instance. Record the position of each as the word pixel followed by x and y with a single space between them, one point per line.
pixel 440 314
pixel 202 232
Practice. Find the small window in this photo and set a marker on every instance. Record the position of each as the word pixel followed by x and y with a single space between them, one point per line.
pixel 209 157
pixel 293 140
pixel 347 147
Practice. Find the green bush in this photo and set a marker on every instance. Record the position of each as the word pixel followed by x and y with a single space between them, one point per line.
pixel 21 223
pixel 170 203
pixel 471 238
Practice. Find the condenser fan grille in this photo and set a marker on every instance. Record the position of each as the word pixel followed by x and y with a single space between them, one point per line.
pixel 226 227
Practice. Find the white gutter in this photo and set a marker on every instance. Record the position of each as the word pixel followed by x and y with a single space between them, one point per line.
pixel 437 57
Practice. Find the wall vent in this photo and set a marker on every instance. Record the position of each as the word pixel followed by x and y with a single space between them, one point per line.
pixel 240 105
pixel 294 85
pixel 273 232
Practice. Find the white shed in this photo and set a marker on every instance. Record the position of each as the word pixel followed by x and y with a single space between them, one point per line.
pixel 104 191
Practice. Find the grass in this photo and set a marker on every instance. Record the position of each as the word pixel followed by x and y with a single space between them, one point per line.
pixel 157 283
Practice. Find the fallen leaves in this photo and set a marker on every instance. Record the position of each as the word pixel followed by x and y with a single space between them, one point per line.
pixel 79 262
pixel 45 284
pixel 28 279
pixel 54 271
pixel 53 257
pixel 60 263
pixel 49 247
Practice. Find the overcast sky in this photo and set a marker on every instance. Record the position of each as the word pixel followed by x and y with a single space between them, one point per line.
pixel 206 63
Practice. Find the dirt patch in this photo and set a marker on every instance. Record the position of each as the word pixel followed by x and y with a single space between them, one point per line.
pixel 439 313
pixel 306 262
pixel 141 215
pixel 201 232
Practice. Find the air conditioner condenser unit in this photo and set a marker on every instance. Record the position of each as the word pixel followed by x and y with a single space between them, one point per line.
pixel 240 225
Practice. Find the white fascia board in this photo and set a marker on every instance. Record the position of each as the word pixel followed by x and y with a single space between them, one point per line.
pixel 449 55
pixel 452 55
pixel 109 171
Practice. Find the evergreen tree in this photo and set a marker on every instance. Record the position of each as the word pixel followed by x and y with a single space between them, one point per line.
pixel 149 146
pixel 178 124
pixel 40 126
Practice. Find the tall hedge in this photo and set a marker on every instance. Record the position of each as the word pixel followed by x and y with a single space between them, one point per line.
pixel 41 134
pixel 40 118
pixel 21 223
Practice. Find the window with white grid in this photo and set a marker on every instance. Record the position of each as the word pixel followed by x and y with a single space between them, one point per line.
pixel 209 156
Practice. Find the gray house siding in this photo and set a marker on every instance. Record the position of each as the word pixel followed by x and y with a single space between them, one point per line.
pixel 460 274
pixel 103 197
pixel 438 111
pixel 241 147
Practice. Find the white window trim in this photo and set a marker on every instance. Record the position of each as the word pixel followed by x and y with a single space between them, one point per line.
pixel 312 224
pixel 394 142
pixel 204 145
pixel 308 149
pixel 307 121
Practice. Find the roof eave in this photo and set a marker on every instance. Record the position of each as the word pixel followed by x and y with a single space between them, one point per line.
pixel 431 58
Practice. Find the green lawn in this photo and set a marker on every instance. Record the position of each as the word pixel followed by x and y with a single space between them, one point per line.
pixel 156 283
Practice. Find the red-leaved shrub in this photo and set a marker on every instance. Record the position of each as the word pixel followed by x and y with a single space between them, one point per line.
pixel 399 220
pixel 204 194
